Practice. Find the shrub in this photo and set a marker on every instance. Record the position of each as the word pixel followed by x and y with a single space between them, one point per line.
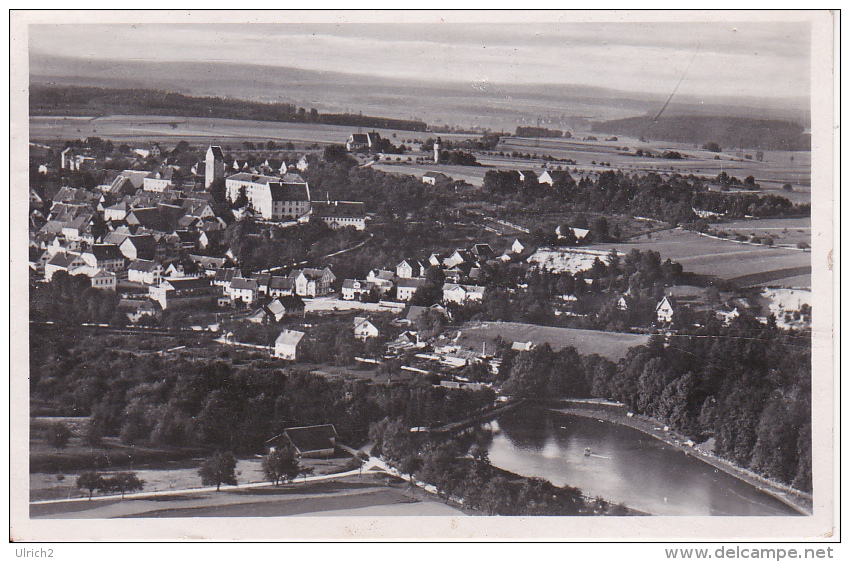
pixel 58 434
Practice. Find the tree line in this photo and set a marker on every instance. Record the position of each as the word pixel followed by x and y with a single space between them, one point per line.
pixel 52 100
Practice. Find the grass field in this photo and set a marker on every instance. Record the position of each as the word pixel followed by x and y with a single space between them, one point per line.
pixel 747 264
pixel 370 494
pixel 612 345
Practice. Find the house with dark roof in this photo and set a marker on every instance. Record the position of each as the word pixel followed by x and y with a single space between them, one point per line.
pixel 406 288
pixel 183 291
pixel 146 272
pixel 62 262
pixel 243 289
pixel 360 141
pixel 315 441
pixel 107 257
pixel 143 247
pixel 340 214
pixel 281 286
pixel 433 178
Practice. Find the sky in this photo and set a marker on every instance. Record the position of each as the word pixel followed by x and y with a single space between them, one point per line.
pixel 765 60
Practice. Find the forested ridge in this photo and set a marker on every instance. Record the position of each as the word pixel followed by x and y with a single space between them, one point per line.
pixel 729 132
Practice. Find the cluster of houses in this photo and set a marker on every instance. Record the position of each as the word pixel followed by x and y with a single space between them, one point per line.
pixel 461 269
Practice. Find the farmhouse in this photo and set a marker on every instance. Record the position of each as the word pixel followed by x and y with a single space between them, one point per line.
pixel 104 256
pixel 160 179
pixel 359 141
pixel 281 286
pixel 353 288
pixel 144 247
pixel 286 344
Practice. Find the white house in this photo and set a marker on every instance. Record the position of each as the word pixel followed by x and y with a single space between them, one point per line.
pixel 665 309
pixel 286 344
pixel 62 262
pixel 116 212
pixel 243 289
pixel 340 214
pixel 107 257
pixel 363 329
pixel 431 178
pixel 144 271
pixel 409 269
pixel 405 288
pixel 353 288
pixel 517 247
pixel 159 180
pixel 105 280
pixel 312 282
pixel 453 292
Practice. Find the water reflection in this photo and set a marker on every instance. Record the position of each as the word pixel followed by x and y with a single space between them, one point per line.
pixel 623 466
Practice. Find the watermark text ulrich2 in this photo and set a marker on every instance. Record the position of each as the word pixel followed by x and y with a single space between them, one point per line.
pixel 740 552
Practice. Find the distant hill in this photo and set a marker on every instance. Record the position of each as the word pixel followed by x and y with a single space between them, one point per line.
pixel 79 100
pixel 500 107
pixel 728 132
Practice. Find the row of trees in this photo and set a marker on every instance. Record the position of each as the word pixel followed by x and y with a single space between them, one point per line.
pixel 615 192
pixel 121 482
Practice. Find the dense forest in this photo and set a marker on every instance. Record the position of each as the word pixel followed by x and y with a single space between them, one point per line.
pixel 728 132
pixel 82 100
pixel 229 400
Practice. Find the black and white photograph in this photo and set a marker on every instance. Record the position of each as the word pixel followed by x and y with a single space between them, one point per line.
pixel 422 274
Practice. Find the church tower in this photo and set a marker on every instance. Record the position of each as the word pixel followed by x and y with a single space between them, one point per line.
pixel 214 165
pixel 437 144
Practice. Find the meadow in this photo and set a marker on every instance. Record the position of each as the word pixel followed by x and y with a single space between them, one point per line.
pixel 744 264
pixel 612 345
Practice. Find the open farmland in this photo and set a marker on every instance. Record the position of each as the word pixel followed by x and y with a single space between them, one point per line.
pixel 744 264
pixel 166 129
pixel 613 345
pixel 785 232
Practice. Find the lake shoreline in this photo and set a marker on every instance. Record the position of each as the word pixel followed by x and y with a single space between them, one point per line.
pixel 799 501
